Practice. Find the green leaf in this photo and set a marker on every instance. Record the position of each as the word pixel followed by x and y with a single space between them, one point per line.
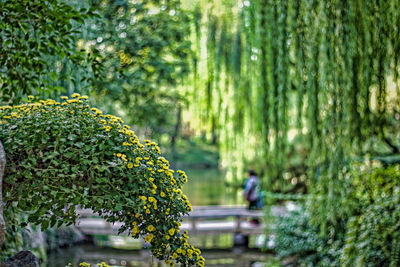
pixel 7 42
pixel 53 76
pixel 45 225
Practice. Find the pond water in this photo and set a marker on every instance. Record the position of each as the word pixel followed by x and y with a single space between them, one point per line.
pixel 207 187
pixel 143 258
pixel 204 187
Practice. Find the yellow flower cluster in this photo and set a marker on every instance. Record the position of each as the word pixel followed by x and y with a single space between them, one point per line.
pixel 183 175
pixel 153 146
pixel 160 187
pixel 189 206
pixel 135 229
pixel 148 238
pixel 101 264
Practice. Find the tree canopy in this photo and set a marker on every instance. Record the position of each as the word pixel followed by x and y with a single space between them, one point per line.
pixel 37 39
pixel 145 53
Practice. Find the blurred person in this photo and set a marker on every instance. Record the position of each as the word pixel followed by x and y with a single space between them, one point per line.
pixel 252 190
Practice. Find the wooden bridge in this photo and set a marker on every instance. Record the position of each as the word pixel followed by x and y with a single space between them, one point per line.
pixel 202 220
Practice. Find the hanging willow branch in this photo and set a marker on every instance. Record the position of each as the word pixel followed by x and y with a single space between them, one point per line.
pixel 338 55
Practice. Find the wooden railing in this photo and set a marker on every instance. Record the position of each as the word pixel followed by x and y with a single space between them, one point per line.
pixel 202 220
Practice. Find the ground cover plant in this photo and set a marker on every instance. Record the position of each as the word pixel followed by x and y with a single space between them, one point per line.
pixel 63 154
pixel 370 232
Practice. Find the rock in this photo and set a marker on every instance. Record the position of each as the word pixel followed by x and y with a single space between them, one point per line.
pixel 22 259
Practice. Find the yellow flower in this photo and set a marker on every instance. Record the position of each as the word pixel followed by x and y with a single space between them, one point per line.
pixel 147 211
pixel 31 97
pixel 85 97
pixel 151 228
pixel 97 111
pixel 64 97
pixel 167 237
pixel 135 230
pixel 162 194
pixel 179 250
pixel 171 232
pixel 130 165
pixel 85 264
pixel 149 238
pixel 75 95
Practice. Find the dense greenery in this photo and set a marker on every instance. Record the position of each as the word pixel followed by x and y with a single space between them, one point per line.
pixel 131 57
pixel 297 240
pixel 300 90
pixel 145 48
pixel 60 155
pixel 325 70
pixel 370 234
pixel 37 40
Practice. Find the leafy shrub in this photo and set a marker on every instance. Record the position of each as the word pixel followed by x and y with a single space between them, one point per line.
pixel 60 155
pixel 297 239
pixel 373 235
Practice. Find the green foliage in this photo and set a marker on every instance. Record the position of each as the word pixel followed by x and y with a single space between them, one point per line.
pixel 37 38
pixel 298 240
pixel 373 233
pixel 60 155
pixel 315 81
pixel 145 50
pixel 369 235
pixel 194 154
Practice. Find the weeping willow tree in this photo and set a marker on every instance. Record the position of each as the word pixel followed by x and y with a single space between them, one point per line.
pixel 284 80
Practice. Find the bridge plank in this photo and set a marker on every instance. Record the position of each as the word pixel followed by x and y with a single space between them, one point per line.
pixel 197 221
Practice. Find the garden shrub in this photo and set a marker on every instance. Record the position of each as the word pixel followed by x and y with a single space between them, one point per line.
pixel 373 234
pixel 64 154
pixel 299 241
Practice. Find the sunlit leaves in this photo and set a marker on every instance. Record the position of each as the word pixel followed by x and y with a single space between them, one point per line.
pixel 145 46
pixel 37 38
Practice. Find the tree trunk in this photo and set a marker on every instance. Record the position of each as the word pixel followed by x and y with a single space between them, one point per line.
pixel 2 222
pixel 175 134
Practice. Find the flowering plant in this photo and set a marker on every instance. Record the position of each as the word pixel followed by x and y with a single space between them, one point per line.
pixel 63 154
